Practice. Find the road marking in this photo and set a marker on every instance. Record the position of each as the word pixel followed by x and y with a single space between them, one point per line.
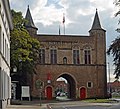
pixel 48 107
pixel 65 107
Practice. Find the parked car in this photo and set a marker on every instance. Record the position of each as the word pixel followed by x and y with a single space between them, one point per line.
pixel 62 94
pixel 115 94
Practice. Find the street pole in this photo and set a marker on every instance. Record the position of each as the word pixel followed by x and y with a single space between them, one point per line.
pixel 109 75
pixel 40 96
pixel 39 86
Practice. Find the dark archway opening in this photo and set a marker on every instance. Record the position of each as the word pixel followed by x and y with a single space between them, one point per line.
pixel 71 86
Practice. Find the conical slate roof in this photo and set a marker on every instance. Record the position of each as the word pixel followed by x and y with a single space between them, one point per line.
pixel 96 22
pixel 29 19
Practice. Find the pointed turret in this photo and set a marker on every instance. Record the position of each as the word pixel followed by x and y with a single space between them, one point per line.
pixel 30 26
pixel 96 23
pixel 99 40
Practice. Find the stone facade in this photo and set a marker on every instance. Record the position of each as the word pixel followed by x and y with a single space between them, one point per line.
pixel 81 60
pixel 5 27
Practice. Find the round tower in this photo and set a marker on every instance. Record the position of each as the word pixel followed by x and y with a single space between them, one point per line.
pixel 29 24
pixel 99 36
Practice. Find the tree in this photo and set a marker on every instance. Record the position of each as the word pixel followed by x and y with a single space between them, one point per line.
pixel 24 48
pixel 114 48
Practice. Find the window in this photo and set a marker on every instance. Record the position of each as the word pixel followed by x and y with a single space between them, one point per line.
pixel 0 83
pixel 42 56
pixel 7 53
pixel 3 16
pixel 0 8
pixel 5 49
pixel 53 54
pixel 0 39
pixel 89 84
pixel 3 44
pixel 9 56
pixel 64 60
pixel 76 57
pixel 87 57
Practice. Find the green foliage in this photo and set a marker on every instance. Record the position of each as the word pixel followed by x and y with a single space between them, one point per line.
pixel 24 48
pixel 18 20
pixel 114 48
pixel 97 100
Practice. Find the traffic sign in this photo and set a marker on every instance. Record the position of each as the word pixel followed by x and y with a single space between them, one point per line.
pixel 38 84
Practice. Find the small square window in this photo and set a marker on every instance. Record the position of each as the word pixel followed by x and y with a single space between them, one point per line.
pixel 89 84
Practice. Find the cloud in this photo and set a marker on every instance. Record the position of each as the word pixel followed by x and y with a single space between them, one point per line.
pixel 48 12
pixel 56 3
pixel 79 14
pixel 102 4
pixel 47 15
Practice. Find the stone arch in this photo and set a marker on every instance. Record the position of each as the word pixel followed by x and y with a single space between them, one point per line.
pixel 87 46
pixel 71 84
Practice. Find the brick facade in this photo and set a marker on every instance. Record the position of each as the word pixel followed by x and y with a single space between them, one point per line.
pixel 86 80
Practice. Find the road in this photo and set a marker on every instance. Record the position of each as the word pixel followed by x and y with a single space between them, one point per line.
pixel 88 107
pixel 63 105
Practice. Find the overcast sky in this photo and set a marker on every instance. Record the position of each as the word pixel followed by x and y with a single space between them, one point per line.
pixel 79 14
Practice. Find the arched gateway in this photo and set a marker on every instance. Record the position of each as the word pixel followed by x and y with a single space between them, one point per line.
pixel 71 85
pixel 82 57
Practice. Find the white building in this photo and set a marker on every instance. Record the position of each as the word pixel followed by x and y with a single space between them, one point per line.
pixel 5 27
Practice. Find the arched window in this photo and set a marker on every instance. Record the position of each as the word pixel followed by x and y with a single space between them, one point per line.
pixel 53 54
pixel 76 59
pixel 87 56
pixel 42 56
pixel 64 60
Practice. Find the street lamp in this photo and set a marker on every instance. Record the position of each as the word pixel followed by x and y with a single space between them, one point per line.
pixel 15 69
pixel 13 85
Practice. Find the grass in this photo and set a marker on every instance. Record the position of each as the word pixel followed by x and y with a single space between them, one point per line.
pixel 98 100
pixel 116 96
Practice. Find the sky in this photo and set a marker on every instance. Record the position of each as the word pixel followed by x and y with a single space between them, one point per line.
pixel 79 15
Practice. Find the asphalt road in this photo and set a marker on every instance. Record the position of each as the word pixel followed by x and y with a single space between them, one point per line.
pixel 82 107
pixel 89 107
pixel 63 105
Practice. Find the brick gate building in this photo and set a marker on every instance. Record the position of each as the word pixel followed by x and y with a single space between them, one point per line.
pixel 81 60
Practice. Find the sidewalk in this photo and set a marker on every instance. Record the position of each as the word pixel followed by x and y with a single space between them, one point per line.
pixel 116 99
pixel 79 103
pixel 28 104
pixel 46 104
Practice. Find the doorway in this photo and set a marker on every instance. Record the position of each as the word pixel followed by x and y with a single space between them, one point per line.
pixel 49 93
pixel 82 93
